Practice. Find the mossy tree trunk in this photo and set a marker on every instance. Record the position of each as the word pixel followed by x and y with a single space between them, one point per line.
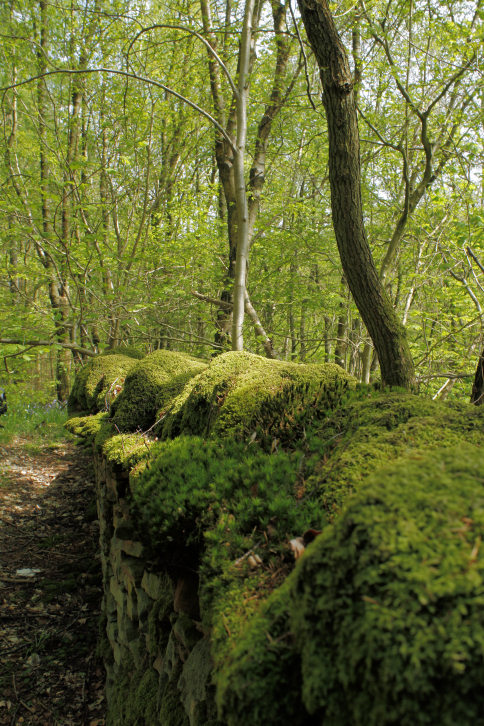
pixel 376 309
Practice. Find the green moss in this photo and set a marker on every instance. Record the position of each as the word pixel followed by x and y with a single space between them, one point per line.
pixel 94 381
pixel 192 492
pixel 159 626
pixel 134 698
pixel 226 397
pixel 150 387
pixel 105 432
pixel 125 450
pixel 388 602
pixel 86 427
pixel 132 351
pixel 259 680
pixel 195 687
pixel 370 429
pixel 171 711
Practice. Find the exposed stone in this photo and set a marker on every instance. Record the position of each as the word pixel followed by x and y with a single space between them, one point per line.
pixel 112 631
pixel 158 664
pixel 122 517
pixel 132 606
pixel 144 605
pixel 170 659
pixel 194 680
pixel 127 630
pixel 118 652
pixel 130 547
pixel 186 596
pixel 130 572
pixel 186 631
pixel 109 604
pixel 137 650
pixel 117 592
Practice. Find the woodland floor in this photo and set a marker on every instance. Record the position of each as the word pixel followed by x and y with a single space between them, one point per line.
pixel 50 674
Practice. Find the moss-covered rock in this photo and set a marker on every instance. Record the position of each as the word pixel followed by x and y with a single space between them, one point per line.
pixel 259 680
pixel 150 387
pixel 371 429
pixel 140 697
pixel 87 427
pixel 124 450
pixel 96 379
pixel 190 483
pixel 132 351
pixel 388 602
pixel 381 620
pixel 226 398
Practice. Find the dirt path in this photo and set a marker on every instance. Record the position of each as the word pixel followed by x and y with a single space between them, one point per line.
pixel 49 589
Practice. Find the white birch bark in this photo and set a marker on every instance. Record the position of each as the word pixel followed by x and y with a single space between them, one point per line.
pixel 239 168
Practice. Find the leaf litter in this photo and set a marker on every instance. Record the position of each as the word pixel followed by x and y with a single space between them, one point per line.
pixel 50 588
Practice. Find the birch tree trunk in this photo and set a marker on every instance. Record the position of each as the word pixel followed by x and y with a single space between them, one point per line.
pixel 242 256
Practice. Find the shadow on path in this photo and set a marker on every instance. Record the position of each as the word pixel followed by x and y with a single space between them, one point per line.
pixel 50 593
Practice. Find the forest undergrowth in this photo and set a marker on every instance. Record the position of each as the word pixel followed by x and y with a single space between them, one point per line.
pixel 50 581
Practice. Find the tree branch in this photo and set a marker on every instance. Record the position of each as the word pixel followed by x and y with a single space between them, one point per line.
pixel 136 77
pixel 46 343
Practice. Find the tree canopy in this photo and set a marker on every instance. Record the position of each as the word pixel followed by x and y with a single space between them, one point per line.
pixel 166 183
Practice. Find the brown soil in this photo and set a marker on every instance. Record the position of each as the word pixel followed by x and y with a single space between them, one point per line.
pixel 50 593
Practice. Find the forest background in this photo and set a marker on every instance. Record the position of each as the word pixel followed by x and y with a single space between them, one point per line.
pixel 121 124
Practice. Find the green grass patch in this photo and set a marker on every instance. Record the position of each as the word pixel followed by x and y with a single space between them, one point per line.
pixel 41 422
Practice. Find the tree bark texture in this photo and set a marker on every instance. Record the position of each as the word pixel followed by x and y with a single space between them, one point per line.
pixel 477 395
pixel 375 308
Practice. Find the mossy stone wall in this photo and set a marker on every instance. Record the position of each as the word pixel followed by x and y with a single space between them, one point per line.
pixel 157 658
pixel 207 618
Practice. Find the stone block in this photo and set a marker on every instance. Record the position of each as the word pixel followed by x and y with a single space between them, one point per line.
pixel 156 585
pixel 129 546
pixel 118 652
pixel 186 631
pixel 170 659
pixel 109 605
pixel 137 651
pixel 132 606
pixel 185 599
pixel 194 679
pixel 158 664
pixel 122 521
pixel 131 573
pixel 118 592
pixel 111 487
pixel 145 603
pixel 112 632
pixel 127 630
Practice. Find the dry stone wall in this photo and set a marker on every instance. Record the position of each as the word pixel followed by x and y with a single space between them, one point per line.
pixel 151 625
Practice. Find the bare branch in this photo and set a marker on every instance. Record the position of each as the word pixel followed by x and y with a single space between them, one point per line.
pixel 134 76
pixel 201 38
pixel 303 53
pixel 46 343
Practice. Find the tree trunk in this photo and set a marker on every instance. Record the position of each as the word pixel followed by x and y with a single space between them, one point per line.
pixel 57 286
pixel 477 395
pixel 374 306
